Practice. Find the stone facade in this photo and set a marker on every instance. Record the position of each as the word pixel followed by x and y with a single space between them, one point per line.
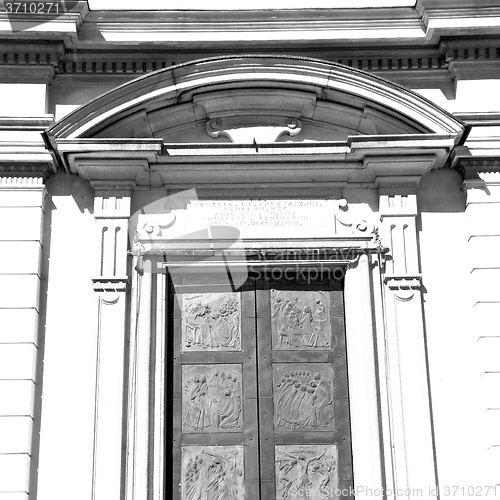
pixel 367 150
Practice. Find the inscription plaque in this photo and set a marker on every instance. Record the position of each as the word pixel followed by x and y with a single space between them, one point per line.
pixel 212 473
pixel 303 399
pixel 307 470
pixel 211 398
pixel 300 320
pixel 256 213
pixel 211 321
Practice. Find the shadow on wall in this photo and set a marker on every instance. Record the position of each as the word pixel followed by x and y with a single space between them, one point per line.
pixel 64 184
pixel 441 191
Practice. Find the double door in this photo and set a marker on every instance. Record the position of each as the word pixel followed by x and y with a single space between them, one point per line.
pixel 259 392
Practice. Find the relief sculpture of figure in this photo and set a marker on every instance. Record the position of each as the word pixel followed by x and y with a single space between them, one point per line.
pixel 211 326
pixel 311 475
pixel 214 473
pixel 303 401
pixel 308 327
pixel 212 403
pixel 299 320
pixel 318 337
pixel 222 476
pixel 194 478
pixel 195 404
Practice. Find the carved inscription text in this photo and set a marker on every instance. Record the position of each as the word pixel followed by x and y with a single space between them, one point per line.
pixel 256 213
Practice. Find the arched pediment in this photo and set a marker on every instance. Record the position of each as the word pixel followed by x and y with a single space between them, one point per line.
pixel 297 99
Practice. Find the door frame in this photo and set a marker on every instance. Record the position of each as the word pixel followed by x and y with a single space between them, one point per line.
pixel 148 365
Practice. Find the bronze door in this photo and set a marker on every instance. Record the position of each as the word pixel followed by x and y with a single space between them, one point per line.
pixel 259 391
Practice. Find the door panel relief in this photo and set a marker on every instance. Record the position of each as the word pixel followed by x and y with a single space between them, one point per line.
pixel 305 446
pixel 212 472
pixel 211 321
pixel 300 320
pixel 214 419
pixel 310 468
pixel 260 401
pixel 303 399
pixel 211 398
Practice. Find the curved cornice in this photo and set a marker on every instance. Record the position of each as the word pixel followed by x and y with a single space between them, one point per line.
pixel 177 83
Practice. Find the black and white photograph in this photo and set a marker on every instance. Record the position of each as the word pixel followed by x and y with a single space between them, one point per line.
pixel 250 251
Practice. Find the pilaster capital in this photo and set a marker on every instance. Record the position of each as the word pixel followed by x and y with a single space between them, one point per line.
pixel 403 286
pixel 111 284
pixel 398 202
pixel 112 198
pixel 113 188
pixel 398 212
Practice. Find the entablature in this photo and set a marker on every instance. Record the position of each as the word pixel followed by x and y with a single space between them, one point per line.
pixel 362 161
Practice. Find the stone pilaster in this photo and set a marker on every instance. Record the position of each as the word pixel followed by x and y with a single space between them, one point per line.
pixel 111 211
pixel 21 219
pixel 481 183
pixel 365 424
pixel 139 439
pixel 147 383
pixel 413 462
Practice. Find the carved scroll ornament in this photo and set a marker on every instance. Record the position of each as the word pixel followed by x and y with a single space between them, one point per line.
pixel 358 224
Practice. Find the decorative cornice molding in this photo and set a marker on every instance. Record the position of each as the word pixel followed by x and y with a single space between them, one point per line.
pixel 28 123
pixel 476 169
pixel 357 162
pixel 481 118
pixel 21 170
pixel 22 182
pixel 26 74
pixel 442 42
